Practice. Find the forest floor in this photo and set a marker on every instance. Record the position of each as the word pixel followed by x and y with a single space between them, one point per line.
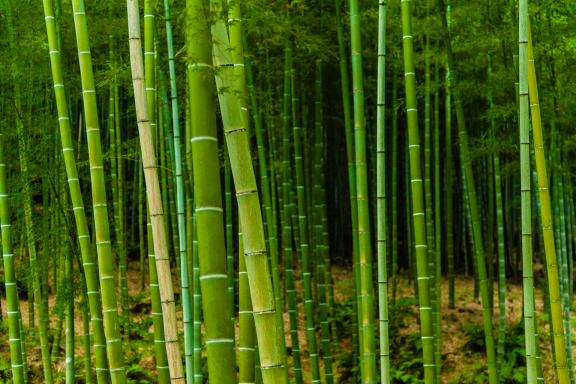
pixel 463 357
pixel 463 360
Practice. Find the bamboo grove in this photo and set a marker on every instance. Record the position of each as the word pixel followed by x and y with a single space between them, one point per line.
pixel 286 191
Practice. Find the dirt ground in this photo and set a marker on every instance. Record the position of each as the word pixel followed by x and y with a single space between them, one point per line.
pixel 455 357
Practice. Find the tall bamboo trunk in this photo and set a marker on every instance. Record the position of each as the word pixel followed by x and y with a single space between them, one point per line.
pixel 99 201
pixel 154 198
pixel 272 354
pixel 417 192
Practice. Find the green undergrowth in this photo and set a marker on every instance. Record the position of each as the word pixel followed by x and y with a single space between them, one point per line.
pixel 512 370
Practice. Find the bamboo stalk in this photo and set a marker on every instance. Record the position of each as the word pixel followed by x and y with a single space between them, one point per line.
pixel 154 198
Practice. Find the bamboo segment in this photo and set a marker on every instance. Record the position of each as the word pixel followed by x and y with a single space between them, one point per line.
pixel 269 212
pixel 150 72
pixel 500 233
pixel 35 269
pixel 303 232
pixel 475 220
pixel 429 220
pixel 272 355
pixel 287 228
pixel 437 223
pixel 320 234
pixel 394 187
pixel 381 197
pixel 208 205
pixel 366 304
pixel 12 304
pixel 246 321
pixel 449 174
pixel 559 337
pixel 347 115
pixel 417 190
pixel 102 229
pixel 154 198
pixel 180 203
pixel 525 190
pixel 69 364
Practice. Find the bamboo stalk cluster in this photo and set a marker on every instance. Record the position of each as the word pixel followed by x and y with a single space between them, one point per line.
pixel 233 174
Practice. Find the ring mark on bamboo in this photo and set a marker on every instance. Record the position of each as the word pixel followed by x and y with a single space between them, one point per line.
pixel 201 138
pixel 214 276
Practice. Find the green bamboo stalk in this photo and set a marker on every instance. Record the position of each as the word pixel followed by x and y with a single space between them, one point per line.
pixel 88 374
pixel 229 236
pixel 437 221
pixel 121 236
pixel 207 198
pixel 12 304
pixel 559 338
pixel 272 355
pixel 34 264
pixel 567 267
pixel 246 321
pixel 141 223
pixel 368 350
pixel 475 221
pixel 162 369
pixel 394 185
pixel 418 215
pixel 525 188
pixel 150 63
pixel 68 273
pixel 381 197
pixel 157 315
pixel 44 246
pixel 197 303
pixel 320 231
pixel 287 228
pixel 449 173
pixel 154 198
pixel 500 233
pixel 102 230
pixel 347 117
pixel 565 252
pixel 180 203
pixel 170 174
pixel 113 155
pixel 270 221
pixel 160 140
pixel 429 218
pixel 303 232
pixel 55 351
